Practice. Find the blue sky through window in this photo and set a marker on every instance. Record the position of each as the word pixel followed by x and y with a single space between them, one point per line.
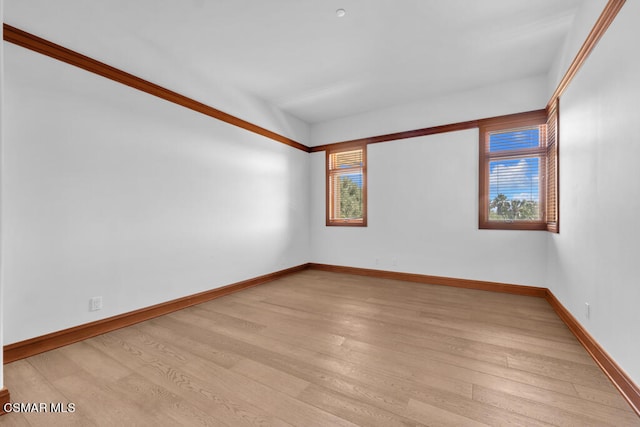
pixel 517 178
pixel 514 140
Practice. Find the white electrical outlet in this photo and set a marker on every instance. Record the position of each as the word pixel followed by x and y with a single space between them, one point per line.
pixel 587 310
pixel 95 304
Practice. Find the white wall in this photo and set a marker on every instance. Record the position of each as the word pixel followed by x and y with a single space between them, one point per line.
pixel 423 193
pixel 496 100
pixel 111 192
pixel 595 257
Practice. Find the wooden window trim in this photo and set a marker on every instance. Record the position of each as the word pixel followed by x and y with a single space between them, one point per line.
pixel 346 222
pixel 534 118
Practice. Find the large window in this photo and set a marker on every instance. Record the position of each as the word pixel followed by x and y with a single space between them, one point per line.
pixel 347 186
pixel 518 172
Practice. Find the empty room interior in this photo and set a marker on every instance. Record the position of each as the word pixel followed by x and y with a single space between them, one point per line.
pixel 320 213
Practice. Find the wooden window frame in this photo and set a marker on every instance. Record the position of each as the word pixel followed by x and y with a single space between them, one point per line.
pixel 505 123
pixel 329 203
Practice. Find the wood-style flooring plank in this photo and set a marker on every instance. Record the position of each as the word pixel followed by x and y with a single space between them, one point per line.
pixel 433 415
pixel 318 348
pixel 440 321
pixel 535 410
pixel 172 370
pixel 152 397
pixel 115 407
pixel 295 360
pixel 355 410
pixel 274 378
pixel 369 355
pixel 266 397
pixel 28 385
pixel 609 398
pixel 473 343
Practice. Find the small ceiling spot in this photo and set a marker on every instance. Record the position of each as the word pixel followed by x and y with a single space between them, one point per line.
pixel 340 13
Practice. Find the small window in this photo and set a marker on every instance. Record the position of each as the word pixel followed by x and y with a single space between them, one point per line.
pixel 513 173
pixel 347 186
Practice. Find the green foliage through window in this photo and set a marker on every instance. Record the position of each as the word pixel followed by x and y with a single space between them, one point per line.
pixel 503 208
pixel 350 199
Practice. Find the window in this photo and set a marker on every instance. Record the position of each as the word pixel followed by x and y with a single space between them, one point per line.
pixel 347 186
pixel 518 172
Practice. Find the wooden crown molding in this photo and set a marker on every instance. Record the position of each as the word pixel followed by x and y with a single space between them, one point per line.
pixel 399 135
pixel 527 118
pixel 45 47
pixel 33 346
pixel 607 16
pixel 452 127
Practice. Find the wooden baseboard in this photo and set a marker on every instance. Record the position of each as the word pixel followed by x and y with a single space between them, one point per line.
pixel 33 346
pixel 629 390
pixel 436 280
pixel 5 398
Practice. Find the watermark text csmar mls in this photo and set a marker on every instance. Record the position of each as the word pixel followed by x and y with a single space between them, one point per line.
pixel 52 407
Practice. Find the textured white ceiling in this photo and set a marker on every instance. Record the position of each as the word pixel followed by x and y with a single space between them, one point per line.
pixel 298 55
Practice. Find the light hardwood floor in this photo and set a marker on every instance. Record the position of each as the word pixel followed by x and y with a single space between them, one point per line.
pixel 327 349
